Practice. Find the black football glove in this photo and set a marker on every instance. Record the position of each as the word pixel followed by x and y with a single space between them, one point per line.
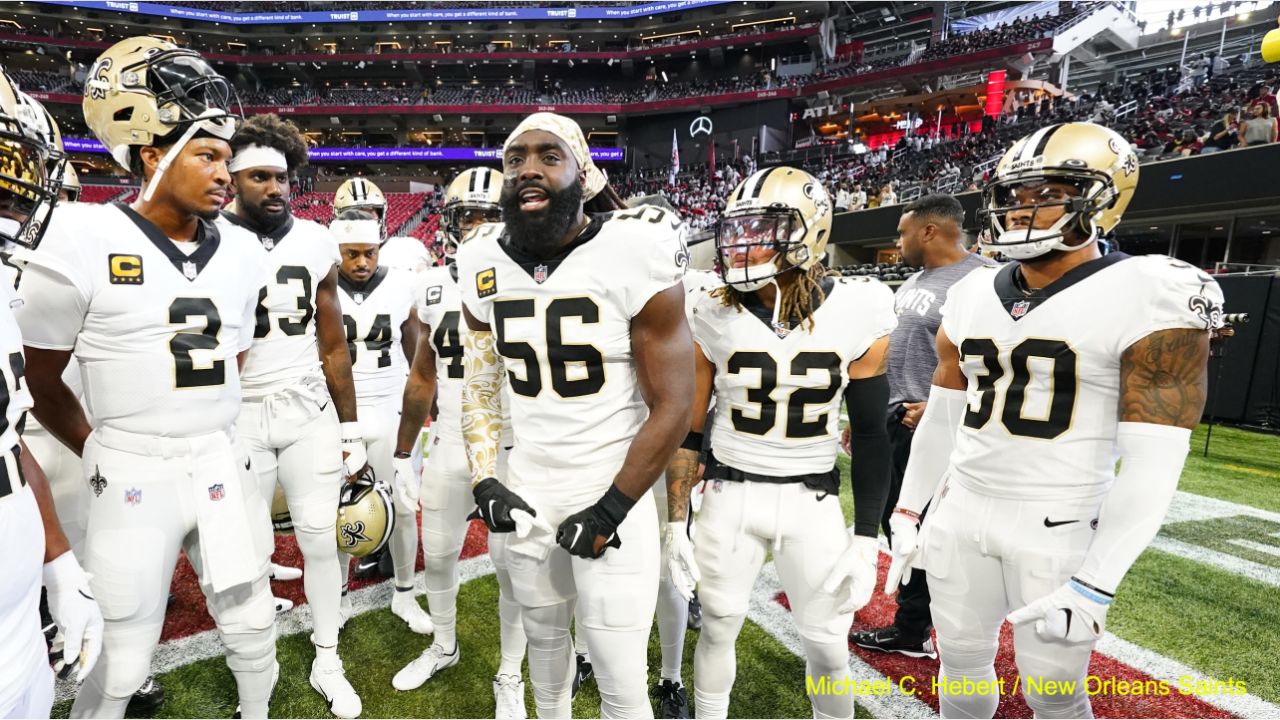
pixel 579 532
pixel 494 504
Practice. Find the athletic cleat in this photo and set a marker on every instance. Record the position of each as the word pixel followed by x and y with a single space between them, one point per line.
pixel 672 701
pixel 283 604
pixel 148 699
pixel 329 679
pixel 431 661
pixel 583 674
pixel 695 613
pixel 891 640
pixel 406 607
pixel 508 696
pixel 284 573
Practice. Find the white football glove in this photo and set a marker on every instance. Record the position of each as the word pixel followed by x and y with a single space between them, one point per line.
pixel 854 576
pixel 903 550
pixel 75 611
pixel 677 552
pixel 406 483
pixel 1072 614
pixel 354 457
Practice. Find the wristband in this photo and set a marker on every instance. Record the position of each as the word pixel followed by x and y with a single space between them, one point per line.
pixel 615 505
pixel 402 455
pixel 692 441
pixel 350 431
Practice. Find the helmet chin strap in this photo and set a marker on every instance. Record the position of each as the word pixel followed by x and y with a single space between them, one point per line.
pixel 169 157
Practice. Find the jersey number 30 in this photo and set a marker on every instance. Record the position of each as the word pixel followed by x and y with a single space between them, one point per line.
pixel 1062 386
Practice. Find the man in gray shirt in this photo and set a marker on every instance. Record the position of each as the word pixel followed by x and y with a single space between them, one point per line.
pixel 929 236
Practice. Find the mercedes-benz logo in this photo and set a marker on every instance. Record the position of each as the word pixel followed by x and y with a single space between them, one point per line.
pixel 701 125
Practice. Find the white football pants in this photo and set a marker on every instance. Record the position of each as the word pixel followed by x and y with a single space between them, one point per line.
pixel 26 683
pixel 144 515
pixel 738 524
pixel 986 557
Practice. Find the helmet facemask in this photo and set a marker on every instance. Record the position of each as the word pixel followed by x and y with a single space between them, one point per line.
pixel 27 191
pixel 1095 193
pixel 458 214
pixel 779 228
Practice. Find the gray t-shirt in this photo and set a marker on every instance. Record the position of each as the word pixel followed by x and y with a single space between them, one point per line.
pixel 913 355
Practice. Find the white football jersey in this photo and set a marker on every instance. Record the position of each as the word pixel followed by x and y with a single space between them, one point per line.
pixel 17 398
pixel 372 315
pixel 563 329
pixel 299 255
pixel 778 392
pixel 1043 368
pixel 440 311
pixel 698 283
pixel 404 253
pixel 155 330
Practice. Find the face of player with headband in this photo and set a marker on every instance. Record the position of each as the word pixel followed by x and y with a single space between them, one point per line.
pixel 262 189
pixel 541 192
pixel 197 182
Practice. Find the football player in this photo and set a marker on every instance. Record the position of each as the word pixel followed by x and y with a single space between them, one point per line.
pixel 587 314
pixel 1035 363
pixel 381 332
pixel 157 302
pixel 30 165
pixel 299 418
pixel 401 252
pixel 445 486
pixel 779 345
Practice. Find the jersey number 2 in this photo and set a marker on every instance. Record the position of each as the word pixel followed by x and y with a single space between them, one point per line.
pixel 185 372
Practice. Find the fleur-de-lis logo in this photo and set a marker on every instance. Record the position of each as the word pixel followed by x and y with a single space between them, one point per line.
pixel 97 482
pixel 353 534
pixel 98 87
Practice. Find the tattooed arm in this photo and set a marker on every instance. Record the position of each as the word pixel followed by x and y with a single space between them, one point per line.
pixel 682 471
pixel 481 399
pixel 1163 381
pixel 1164 378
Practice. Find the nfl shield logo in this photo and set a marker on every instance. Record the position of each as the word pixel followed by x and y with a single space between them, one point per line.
pixel 189 270
pixel 540 274
pixel 133 496
pixel 217 492
pixel 358 297
pixel 781 329
pixel 1020 308
pixel 268 243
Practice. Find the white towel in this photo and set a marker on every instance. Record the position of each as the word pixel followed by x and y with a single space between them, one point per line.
pixel 227 549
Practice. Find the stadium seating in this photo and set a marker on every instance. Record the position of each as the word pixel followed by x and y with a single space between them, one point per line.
pixel 104 193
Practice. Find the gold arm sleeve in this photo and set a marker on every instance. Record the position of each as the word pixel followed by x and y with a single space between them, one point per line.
pixel 481 403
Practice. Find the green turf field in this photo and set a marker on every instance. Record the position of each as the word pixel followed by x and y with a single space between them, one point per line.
pixel 1205 617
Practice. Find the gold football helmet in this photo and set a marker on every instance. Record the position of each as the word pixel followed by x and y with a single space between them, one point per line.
pixel 281 520
pixel 472 197
pixel 38 120
pixel 360 194
pixel 1096 161
pixel 142 90
pixel 27 188
pixel 779 207
pixel 366 516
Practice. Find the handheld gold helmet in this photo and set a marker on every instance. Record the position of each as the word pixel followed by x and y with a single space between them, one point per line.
pixel 361 194
pixel 27 188
pixel 1096 161
pixel 779 207
pixel 144 91
pixel 366 516
pixel 472 196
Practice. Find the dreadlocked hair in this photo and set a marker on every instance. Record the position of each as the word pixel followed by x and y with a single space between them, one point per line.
pixel 795 301
pixel 273 132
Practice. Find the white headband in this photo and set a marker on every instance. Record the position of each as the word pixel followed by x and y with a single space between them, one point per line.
pixel 571 133
pixel 257 156
pixel 351 232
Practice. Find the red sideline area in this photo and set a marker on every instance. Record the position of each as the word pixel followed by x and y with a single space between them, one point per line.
pixel 879 613
pixel 188 616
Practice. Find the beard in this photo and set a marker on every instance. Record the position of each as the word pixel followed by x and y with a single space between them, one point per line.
pixel 540 233
pixel 260 219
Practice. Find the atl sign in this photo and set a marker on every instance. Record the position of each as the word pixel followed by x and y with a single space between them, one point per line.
pixel 821 111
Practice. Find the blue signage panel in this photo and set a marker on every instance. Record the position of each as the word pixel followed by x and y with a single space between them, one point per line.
pixel 384 154
pixel 423 14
